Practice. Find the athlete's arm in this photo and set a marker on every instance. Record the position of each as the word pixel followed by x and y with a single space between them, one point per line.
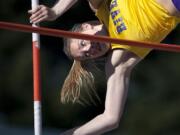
pixel 114 101
pixel 44 13
pixel 94 4
pixel 118 67
pixel 62 6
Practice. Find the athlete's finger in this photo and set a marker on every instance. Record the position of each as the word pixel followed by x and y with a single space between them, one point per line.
pixel 40 19
pixel 35 15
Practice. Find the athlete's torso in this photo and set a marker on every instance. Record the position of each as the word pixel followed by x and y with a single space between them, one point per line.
pixel 141 20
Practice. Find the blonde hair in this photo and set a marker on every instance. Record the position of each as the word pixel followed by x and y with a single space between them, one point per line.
pixel 79 85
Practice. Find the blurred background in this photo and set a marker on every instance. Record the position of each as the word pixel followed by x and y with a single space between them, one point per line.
pixel 153 104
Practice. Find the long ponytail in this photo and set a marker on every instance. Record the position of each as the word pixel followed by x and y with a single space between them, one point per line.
pixel 79 85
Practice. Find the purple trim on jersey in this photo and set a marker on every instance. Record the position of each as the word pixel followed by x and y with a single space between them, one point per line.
pixel 176 4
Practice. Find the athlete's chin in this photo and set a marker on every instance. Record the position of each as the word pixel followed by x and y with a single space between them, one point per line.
pixel 99 55
pixel 105 47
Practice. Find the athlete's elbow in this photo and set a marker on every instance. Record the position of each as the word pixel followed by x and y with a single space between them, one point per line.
pixel 112 122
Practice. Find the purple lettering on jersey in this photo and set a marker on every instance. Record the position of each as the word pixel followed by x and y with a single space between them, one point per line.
pixel 121 28
pixel 116 16
pixel 113 4
pixel 116 21
pixel 114 13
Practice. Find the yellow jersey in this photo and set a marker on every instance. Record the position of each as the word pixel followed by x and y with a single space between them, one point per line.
pixel 139 20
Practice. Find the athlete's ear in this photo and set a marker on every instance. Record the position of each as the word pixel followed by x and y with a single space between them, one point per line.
pixel 86 26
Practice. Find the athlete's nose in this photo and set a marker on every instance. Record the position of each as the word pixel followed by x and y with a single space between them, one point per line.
pixel 87 47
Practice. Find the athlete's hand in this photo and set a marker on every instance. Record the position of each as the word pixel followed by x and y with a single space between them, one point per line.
pixel 42 13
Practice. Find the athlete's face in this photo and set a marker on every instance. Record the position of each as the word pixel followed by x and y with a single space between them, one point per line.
pixel 85 49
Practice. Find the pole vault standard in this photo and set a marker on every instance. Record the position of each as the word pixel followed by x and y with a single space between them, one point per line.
pixel 36 77
pixel 68 34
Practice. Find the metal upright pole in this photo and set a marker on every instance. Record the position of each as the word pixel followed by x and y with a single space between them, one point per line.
pixel 36 77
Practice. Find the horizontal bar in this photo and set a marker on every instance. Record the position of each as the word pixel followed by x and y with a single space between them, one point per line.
pixel 68 34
